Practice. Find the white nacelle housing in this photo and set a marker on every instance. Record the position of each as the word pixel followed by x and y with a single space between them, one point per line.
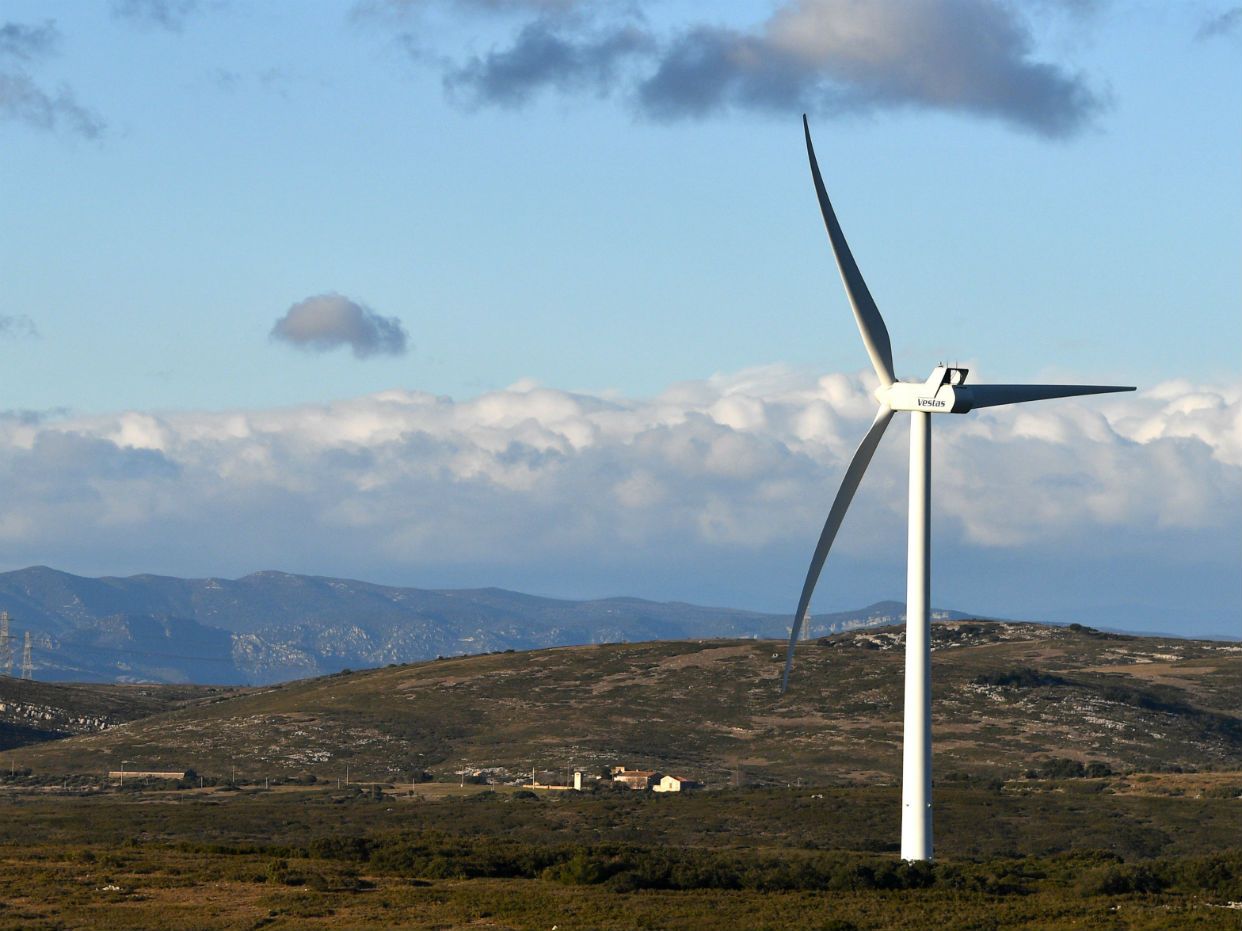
pixel 943 393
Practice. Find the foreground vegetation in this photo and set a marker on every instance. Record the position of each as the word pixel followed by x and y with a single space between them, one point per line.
pixel 162 889
pixel 1042 854
pixel 1085 780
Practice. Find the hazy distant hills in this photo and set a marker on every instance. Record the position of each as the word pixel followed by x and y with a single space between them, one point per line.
pixel 1006 697
pixel 273 626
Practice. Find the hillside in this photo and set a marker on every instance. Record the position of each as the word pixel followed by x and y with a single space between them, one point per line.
pixel 1006 697
pixel 273 626
pixel 31 711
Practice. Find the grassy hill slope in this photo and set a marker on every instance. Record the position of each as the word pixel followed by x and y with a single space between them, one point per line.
pixel 1006 697
pixel 31 712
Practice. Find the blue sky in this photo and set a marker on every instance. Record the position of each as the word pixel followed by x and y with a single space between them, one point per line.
pixel 611 199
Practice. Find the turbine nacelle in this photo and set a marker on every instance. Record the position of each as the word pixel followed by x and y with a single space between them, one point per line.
pixel 942 393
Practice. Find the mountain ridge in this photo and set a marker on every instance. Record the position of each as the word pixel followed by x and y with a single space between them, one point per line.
pixel 272 626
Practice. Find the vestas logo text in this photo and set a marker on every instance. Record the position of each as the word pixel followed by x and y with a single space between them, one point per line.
pixel 927 402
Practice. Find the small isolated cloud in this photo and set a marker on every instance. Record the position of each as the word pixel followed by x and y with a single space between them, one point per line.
pixel 17 326
pixel 166 14
pixel 975 57
pixel 1223 24
pixel 326 321
pixel 23 99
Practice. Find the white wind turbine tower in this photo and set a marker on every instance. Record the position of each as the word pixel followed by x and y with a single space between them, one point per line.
pixel 945 392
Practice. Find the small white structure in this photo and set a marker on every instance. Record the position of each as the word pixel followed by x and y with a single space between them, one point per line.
pixel 675 784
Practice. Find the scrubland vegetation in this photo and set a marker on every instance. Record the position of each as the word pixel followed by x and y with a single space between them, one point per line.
pixel 1006 696
pixel 1084 780
pixel 1112 852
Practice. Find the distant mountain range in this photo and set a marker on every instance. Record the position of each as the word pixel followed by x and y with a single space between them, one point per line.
pixel 273 626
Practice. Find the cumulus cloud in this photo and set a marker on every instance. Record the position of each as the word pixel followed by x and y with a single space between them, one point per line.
pixel 976 57
pixel 972 56
pixel 23 99
pixel 712 491
pixel 327 321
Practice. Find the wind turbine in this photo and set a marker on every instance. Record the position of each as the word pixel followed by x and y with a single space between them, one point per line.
pixel 944 392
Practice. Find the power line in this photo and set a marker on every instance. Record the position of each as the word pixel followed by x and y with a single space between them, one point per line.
pixel 6 645
pixel 27 659
pixel 74 646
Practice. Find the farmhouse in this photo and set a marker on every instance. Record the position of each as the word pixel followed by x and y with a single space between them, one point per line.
pixel 675 784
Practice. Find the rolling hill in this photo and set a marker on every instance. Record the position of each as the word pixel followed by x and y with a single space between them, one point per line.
pixel 273 626
pixel 1007 697
pixel 32 711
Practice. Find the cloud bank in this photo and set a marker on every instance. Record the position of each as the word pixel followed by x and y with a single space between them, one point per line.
pixel 328 321
pixel 972 57
pixel 713 491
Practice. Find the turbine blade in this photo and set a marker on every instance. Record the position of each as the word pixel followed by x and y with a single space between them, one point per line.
pixel 845 494
pixel 995 395
pixel 866 314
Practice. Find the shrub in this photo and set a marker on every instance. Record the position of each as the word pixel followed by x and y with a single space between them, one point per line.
pixel 1126 879
pixel 579 870
pixel 1223 792
pixel 1063 768
pixel 1023 677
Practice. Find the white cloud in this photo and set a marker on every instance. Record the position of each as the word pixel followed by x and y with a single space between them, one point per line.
pixel 532 483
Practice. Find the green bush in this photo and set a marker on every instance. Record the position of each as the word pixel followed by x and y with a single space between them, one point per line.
pixel 581 869
pixel 1224 792
pixel 1061 768
pixel 1023 677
